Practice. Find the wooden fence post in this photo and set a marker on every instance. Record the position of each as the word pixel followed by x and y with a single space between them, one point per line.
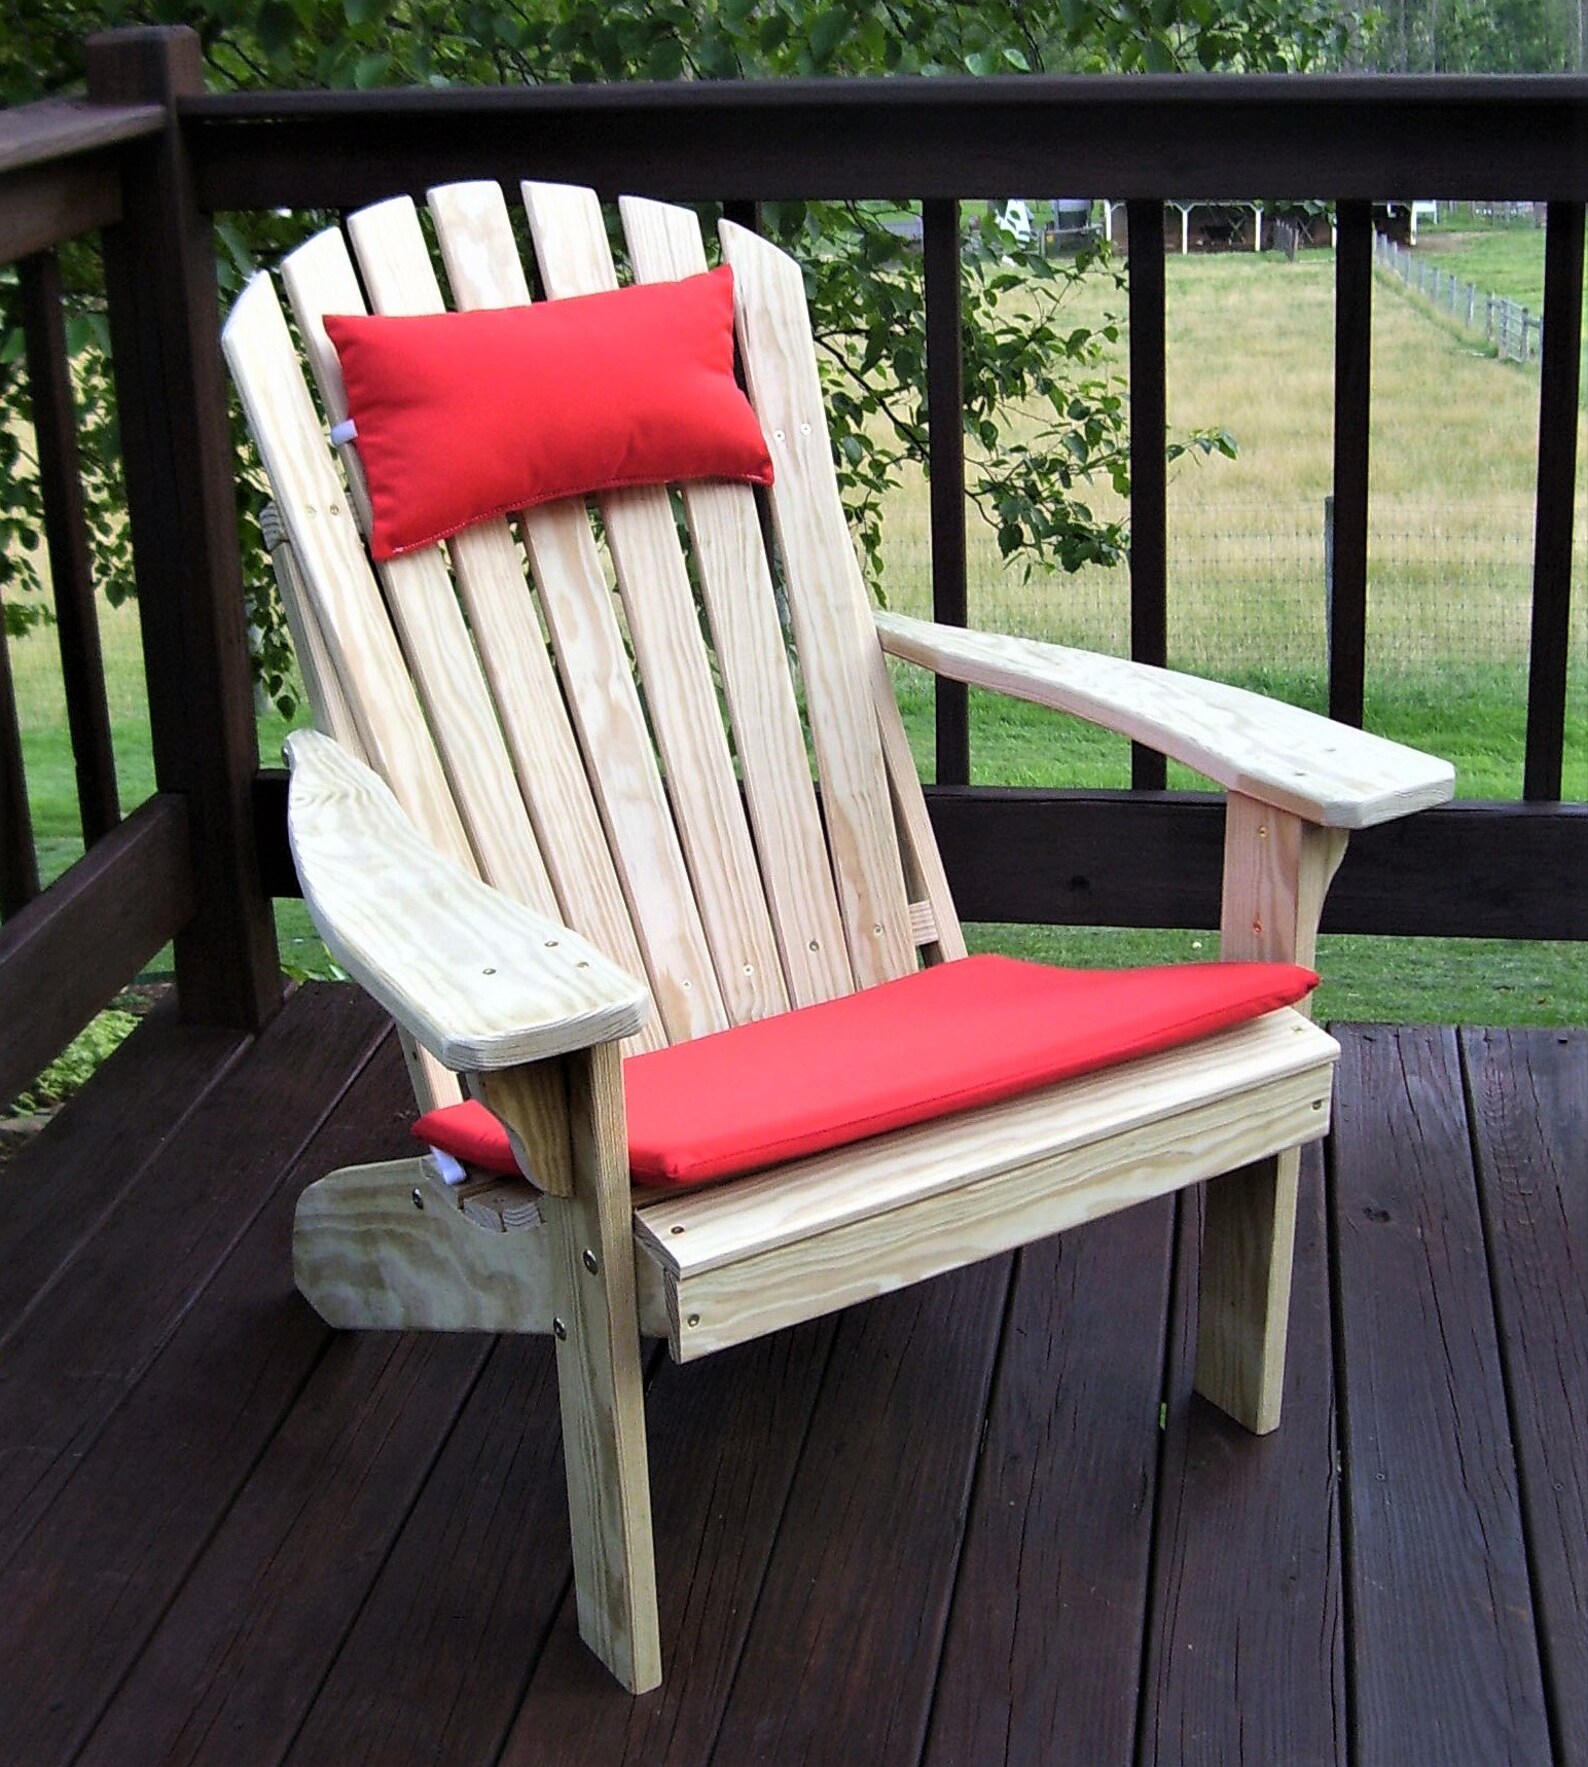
pixel 177 453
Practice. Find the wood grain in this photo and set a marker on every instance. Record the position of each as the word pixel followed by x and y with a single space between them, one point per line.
pixel 599 1382
pixel 1266 749
pixel 313 503
pixel 479 980
pixel 827 602
pixel 1245 1626
pixel 1043 1653
pixel 1529 1100
pixel 1276 873
pixel 1437 1570
pixel 129 1429
pixel 760 1212
pixel 752 657
pixel 483 270
pixel 848 1628
pixel 663 621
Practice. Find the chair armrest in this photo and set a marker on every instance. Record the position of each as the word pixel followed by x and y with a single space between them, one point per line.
pixel 1292 759
pixel 479 980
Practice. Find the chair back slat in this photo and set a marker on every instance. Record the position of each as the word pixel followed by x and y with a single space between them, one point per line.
pixel 686 717
pixel 596 680
pixel 735 580
pixel 638 763
pixel 471 228
pixel 396 271
pixel 934 922
pixel 827 601
pixel 313 504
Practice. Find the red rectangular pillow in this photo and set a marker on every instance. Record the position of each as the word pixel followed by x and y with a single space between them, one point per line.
pixel 463 416
pixel 939 1041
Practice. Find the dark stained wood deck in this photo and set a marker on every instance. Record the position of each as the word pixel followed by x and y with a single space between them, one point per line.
pixel 981 1521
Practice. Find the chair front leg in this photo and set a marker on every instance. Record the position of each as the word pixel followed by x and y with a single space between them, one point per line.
pixel 599 1379
pixel 1277 870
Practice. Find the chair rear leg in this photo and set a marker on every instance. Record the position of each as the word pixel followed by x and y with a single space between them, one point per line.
pixel 1248 1236
pixel 599 1382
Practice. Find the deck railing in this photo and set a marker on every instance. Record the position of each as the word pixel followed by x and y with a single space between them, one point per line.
pixel 149 158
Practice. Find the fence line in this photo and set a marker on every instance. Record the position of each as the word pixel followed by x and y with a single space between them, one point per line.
pixel 1509 328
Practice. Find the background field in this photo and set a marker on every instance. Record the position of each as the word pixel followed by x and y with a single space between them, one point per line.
pixel 1251 345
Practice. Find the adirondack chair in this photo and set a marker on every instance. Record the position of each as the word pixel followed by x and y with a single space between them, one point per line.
pixel 540 873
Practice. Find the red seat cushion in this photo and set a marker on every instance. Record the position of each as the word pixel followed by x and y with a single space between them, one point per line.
pixel 461 416
pixel 939 1041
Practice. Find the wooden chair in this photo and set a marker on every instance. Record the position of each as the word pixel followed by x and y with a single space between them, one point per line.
pixel 535 871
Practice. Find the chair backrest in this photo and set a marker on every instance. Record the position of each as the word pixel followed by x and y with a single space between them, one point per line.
pixel 638 764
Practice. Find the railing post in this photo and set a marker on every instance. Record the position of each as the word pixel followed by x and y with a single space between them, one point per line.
pixel 177 453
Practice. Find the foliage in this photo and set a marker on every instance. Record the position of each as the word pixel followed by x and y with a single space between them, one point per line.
pixel 78 1062
pixel 1018 349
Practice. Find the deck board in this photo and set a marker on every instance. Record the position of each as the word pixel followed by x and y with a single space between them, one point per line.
pixel 944 1527
pixel 1530 1115
pixel 1044 1646
pixel 1246 1645
pixel 1439 1574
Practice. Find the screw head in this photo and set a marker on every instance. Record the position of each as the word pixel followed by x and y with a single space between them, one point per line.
pixel 590 1263
pixel 559 1331
pixel 419 1199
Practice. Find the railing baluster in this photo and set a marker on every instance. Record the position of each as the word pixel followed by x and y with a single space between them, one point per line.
pixel 945 402
pixel 1353 346
pixel 77 627
pixel 1149 478
pixel 19 868
pixel 1559 391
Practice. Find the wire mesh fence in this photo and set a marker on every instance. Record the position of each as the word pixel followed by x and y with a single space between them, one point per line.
pixel 1449 588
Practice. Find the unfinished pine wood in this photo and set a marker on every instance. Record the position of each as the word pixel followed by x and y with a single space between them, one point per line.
pixel 1002 1206
pixel 368 1257
pixel 481 981
pixel 762 1211
pixel 752 657
pixel 433 1084
pixel 313 503
pixel 827 601
pixel 1326 772
pixel 396 273
pixel 532 1103
pixel 599 1382
pixel 386 1248
pixel 483 270
pixel 573 257
pixel 1277 870
pixel 934 921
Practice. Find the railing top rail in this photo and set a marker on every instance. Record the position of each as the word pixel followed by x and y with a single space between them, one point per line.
pixel 63 128
pixel 1281 136
pixel 1360 92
